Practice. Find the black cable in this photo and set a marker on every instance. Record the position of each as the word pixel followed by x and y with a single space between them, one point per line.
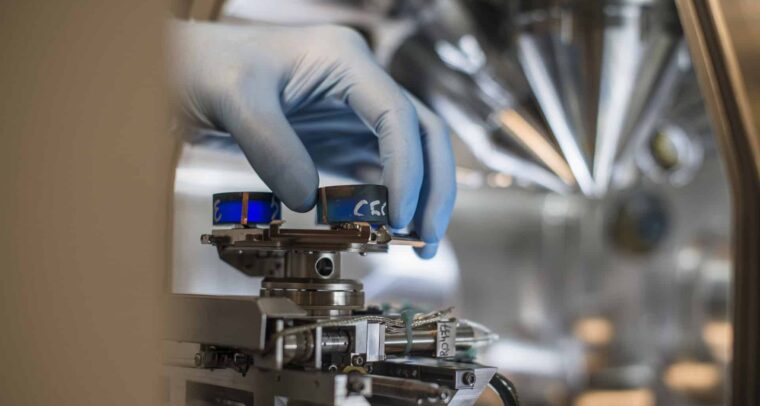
pixel 505 389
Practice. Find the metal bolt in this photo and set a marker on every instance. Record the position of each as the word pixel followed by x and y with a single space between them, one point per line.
pixel 444 395
pixel 357 360
pixel 333 368
pixel 198 359
pixel 468 378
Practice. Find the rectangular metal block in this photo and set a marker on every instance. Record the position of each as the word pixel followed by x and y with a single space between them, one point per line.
pixel 230 321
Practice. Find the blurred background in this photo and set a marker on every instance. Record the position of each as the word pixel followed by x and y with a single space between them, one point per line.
pixel 591 229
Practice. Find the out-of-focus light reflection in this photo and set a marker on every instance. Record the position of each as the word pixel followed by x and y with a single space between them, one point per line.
pixel 692 377
pixel 529 136
pixel 596 331
pixel 629 397
pixel 469 178
pixel 548 98
pixel 689 258
pixel 465 56
pixel 622 50
pixel 200 180
pixel 477 140
pixel 499 180
pixel 719 336
pixel 522 357
pixel 402 271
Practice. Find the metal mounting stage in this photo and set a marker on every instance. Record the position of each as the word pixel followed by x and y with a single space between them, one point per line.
pixel 308 337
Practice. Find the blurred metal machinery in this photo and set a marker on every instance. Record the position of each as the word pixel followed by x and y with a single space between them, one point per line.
pixel 602 98
pixel 559 94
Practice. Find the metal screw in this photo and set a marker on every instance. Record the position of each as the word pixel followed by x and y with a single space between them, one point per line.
pixel 357 360
pixel 198 359
pixel 444 396
pixel 468 378
pixel 333 368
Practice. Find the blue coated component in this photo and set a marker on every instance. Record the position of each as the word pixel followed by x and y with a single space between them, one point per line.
pixel 345 204
pixel 245 208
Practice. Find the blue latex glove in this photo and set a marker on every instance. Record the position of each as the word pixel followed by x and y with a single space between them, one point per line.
pixel 300 98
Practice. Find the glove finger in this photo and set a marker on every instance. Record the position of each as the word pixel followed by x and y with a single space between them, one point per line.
pixel 256 121
pixel 439 186
pixel 382 105
pixel 338 142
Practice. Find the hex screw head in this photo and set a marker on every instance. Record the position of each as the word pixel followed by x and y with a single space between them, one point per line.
pixel 468 378
pixel 357 360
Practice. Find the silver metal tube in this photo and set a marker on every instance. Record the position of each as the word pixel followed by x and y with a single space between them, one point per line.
pixel 300 347
pixel 424 340
pixel 334 342
pixel 409 389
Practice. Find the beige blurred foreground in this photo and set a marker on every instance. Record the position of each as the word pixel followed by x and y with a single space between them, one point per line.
pixel 85 173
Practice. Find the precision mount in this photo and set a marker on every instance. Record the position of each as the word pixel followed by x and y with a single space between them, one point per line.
pixel 308 337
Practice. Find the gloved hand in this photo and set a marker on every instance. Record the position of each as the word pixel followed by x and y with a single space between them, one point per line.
pixel 300 98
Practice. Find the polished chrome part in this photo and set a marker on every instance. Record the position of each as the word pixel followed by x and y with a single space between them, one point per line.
pixel 548 98
pixel 673 78
pixel 483 97
pixel 332 297
pixel 335 341
pixel 369 341
pixel 428 342
pixel 594 67
pixel 298 348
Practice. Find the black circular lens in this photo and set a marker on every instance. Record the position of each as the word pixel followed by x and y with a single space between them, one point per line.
pixel 324 267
